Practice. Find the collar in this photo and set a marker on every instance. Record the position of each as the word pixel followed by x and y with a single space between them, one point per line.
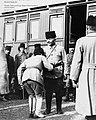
pixel 91 34
pixel 52 47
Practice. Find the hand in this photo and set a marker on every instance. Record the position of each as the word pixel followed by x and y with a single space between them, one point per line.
pixel 20 82
pixel 74 84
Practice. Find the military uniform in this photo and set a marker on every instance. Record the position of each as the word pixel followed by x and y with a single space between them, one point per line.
pixel 33 81
pixel 53 83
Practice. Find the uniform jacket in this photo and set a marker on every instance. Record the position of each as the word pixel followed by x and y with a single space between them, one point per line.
pixel 83 70
pixel 4 81
pixel 58 54
pixel 34 67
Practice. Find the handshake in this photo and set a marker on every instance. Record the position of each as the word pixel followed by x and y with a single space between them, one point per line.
pixel 58 64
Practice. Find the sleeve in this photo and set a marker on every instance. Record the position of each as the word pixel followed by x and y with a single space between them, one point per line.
pixel 67 69
pixel 19 72
pixel 64 59
pixel 76 62
pixel 13 66
pixel 16 63
pixel 46 63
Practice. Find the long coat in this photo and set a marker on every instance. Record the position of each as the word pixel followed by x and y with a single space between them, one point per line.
pixel 83 70
pixel 19 58
pixel 4 81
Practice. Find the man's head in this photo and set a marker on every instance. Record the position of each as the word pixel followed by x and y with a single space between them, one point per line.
pixel 38 50
pixel 8 49
pixel 91 24
pixel 21 48
pixel 51 37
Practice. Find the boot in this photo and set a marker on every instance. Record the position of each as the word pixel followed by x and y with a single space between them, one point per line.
pixel 59 104
pixel 67 94
pixel 32 106
pixel 48 103
pixel 38 113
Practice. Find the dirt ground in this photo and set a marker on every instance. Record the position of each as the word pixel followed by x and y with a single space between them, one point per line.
pixel 17 109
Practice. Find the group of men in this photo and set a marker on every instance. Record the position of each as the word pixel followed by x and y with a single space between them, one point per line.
pixel 12 65
pixel 55 56
pixel 82 74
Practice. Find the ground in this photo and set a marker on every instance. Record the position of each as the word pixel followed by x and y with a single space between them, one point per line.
pixel 17 109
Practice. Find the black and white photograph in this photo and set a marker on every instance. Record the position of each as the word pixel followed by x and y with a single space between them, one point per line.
pixel 48 60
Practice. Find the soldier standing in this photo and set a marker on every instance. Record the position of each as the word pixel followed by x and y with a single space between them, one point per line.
pixel 54 80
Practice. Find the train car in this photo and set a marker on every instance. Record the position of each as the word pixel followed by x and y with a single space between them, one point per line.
pixel 68 19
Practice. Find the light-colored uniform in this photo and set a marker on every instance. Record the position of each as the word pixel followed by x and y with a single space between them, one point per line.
pixel 34 67
pixel 84 70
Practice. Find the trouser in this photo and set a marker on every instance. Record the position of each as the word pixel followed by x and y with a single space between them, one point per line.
pixel 70 90
pixel 53 86
pixel 34 90
pixel 48 98
pixel 35 104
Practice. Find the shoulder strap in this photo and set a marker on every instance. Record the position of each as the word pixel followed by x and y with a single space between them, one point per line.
pixel 51 51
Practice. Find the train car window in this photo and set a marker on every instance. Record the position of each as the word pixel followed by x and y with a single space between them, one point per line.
pixel 57 21
pixel 34 28
pixel 8 32
pixel 92 9
pixel 21 30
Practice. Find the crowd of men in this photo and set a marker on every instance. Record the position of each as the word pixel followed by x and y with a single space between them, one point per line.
pixel 46 71
pixel 53 81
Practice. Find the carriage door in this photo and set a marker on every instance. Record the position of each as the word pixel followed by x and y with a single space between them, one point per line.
pixel 75 23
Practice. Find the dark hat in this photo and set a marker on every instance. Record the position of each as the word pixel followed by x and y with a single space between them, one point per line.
pixel 50 34
pixel 8 48
pixel 37 45
pixel 91 21
pixel 39 51
pixel 22 45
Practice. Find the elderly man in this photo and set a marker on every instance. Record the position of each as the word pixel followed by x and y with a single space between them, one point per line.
pixel 83 71
pixel 54 80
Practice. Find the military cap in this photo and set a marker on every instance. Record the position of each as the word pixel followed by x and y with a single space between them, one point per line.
pixel 8 48
pixel 22 45
pixel 50 34
pixel 37 45
pixel 91 21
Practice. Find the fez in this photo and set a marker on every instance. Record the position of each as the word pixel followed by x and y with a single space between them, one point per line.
pixel 91 21
pixel 50 34
pixel 37 45
pixel 22 45
pixel 8 48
